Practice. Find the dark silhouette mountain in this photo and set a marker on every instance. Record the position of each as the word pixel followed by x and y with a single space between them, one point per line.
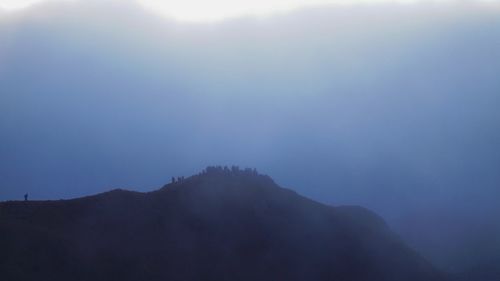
pixel 223 224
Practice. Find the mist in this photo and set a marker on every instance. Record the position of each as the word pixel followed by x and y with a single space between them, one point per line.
pixel 391 107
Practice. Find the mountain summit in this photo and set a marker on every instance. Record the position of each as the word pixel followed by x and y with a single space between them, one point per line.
pixel 222 224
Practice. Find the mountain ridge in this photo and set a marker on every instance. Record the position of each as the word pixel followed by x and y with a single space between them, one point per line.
pixel 222 224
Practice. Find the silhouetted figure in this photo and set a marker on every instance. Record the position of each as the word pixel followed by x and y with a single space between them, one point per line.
pixel 173 179
pixel 26 197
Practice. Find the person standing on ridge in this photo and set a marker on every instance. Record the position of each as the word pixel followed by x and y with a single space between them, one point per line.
pixel 26 197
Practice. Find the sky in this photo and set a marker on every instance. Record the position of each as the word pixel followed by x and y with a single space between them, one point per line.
pixel 217 10
pixel 392 107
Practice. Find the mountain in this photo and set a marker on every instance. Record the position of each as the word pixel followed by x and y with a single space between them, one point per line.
pixel 222 224
pixel 397 102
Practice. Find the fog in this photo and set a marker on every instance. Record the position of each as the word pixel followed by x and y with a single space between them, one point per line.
pixel 391 107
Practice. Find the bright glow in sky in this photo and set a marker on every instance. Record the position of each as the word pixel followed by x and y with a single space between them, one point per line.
pixel 212 10
pixel 11 5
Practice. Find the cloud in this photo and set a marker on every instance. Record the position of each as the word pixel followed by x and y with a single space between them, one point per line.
pixel 215 10
pixel 14 5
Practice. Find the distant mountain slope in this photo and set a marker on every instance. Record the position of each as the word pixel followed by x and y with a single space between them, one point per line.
pixel 223 224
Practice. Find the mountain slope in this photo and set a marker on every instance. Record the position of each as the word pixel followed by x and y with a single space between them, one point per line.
pixel 219 225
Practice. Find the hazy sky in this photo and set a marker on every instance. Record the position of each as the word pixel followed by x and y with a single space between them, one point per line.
pixel 214 10
pixel 393 107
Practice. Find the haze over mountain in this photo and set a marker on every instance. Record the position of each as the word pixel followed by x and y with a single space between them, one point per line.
pixel 392 107
pixel 220 225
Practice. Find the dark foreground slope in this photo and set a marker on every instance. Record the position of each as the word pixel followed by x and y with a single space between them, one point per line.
pixel 219 225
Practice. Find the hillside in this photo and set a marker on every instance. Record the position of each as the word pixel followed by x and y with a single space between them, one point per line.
pixel 222 224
